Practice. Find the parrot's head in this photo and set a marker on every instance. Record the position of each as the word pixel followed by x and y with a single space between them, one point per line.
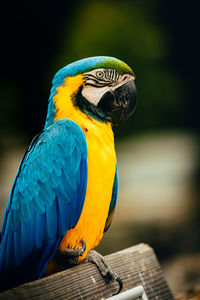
pixel 96 86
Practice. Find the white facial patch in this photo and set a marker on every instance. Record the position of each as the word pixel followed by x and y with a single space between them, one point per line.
pixel 94 94
pixel 100 81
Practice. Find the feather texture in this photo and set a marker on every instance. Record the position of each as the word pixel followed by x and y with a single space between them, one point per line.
pixel 46 200
pixel 113 202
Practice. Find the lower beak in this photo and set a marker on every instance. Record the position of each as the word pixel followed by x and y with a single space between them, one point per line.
pixel 122 98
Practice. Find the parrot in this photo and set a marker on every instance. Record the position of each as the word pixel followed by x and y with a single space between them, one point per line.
pixel 64 195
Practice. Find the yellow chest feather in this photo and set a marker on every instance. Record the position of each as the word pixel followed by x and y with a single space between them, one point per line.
pixel 101 171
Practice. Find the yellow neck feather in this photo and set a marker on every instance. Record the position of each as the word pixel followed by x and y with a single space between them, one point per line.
pixel 63 98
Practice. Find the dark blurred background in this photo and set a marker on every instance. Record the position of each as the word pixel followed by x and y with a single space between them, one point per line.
pixel 158 148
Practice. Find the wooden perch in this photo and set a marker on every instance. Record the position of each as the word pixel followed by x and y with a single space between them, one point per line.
pixel 137 265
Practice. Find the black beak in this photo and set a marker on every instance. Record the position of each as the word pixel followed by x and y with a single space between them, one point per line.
pixel 122 98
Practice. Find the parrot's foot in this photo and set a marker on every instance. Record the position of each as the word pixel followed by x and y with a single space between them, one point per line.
pixel 104 269
pixel 69 258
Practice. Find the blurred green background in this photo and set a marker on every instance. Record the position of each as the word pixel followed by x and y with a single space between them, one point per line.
pixel 158 148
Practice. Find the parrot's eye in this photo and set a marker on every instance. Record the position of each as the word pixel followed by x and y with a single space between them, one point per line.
pixel 99 74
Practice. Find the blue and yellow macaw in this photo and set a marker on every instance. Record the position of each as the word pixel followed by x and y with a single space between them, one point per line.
pixel 64 195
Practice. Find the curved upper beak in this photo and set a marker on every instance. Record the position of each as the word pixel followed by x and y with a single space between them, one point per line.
pixel 121 98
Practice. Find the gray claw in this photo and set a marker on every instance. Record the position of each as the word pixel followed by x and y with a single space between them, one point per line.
pixel 76 252
pixel 69 258
pixel 118 279
pixel 104 269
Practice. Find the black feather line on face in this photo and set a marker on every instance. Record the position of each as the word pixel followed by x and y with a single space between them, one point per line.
pixel 99 86
pixel 96 81
pixel 100 80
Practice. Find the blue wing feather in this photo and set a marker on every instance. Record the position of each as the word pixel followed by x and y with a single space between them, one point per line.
pixel 113 202
pixel 46 200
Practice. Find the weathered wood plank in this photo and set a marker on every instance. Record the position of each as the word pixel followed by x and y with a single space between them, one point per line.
pixel 137 265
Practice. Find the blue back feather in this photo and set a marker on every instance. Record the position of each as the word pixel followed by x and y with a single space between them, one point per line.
pixel 46 200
